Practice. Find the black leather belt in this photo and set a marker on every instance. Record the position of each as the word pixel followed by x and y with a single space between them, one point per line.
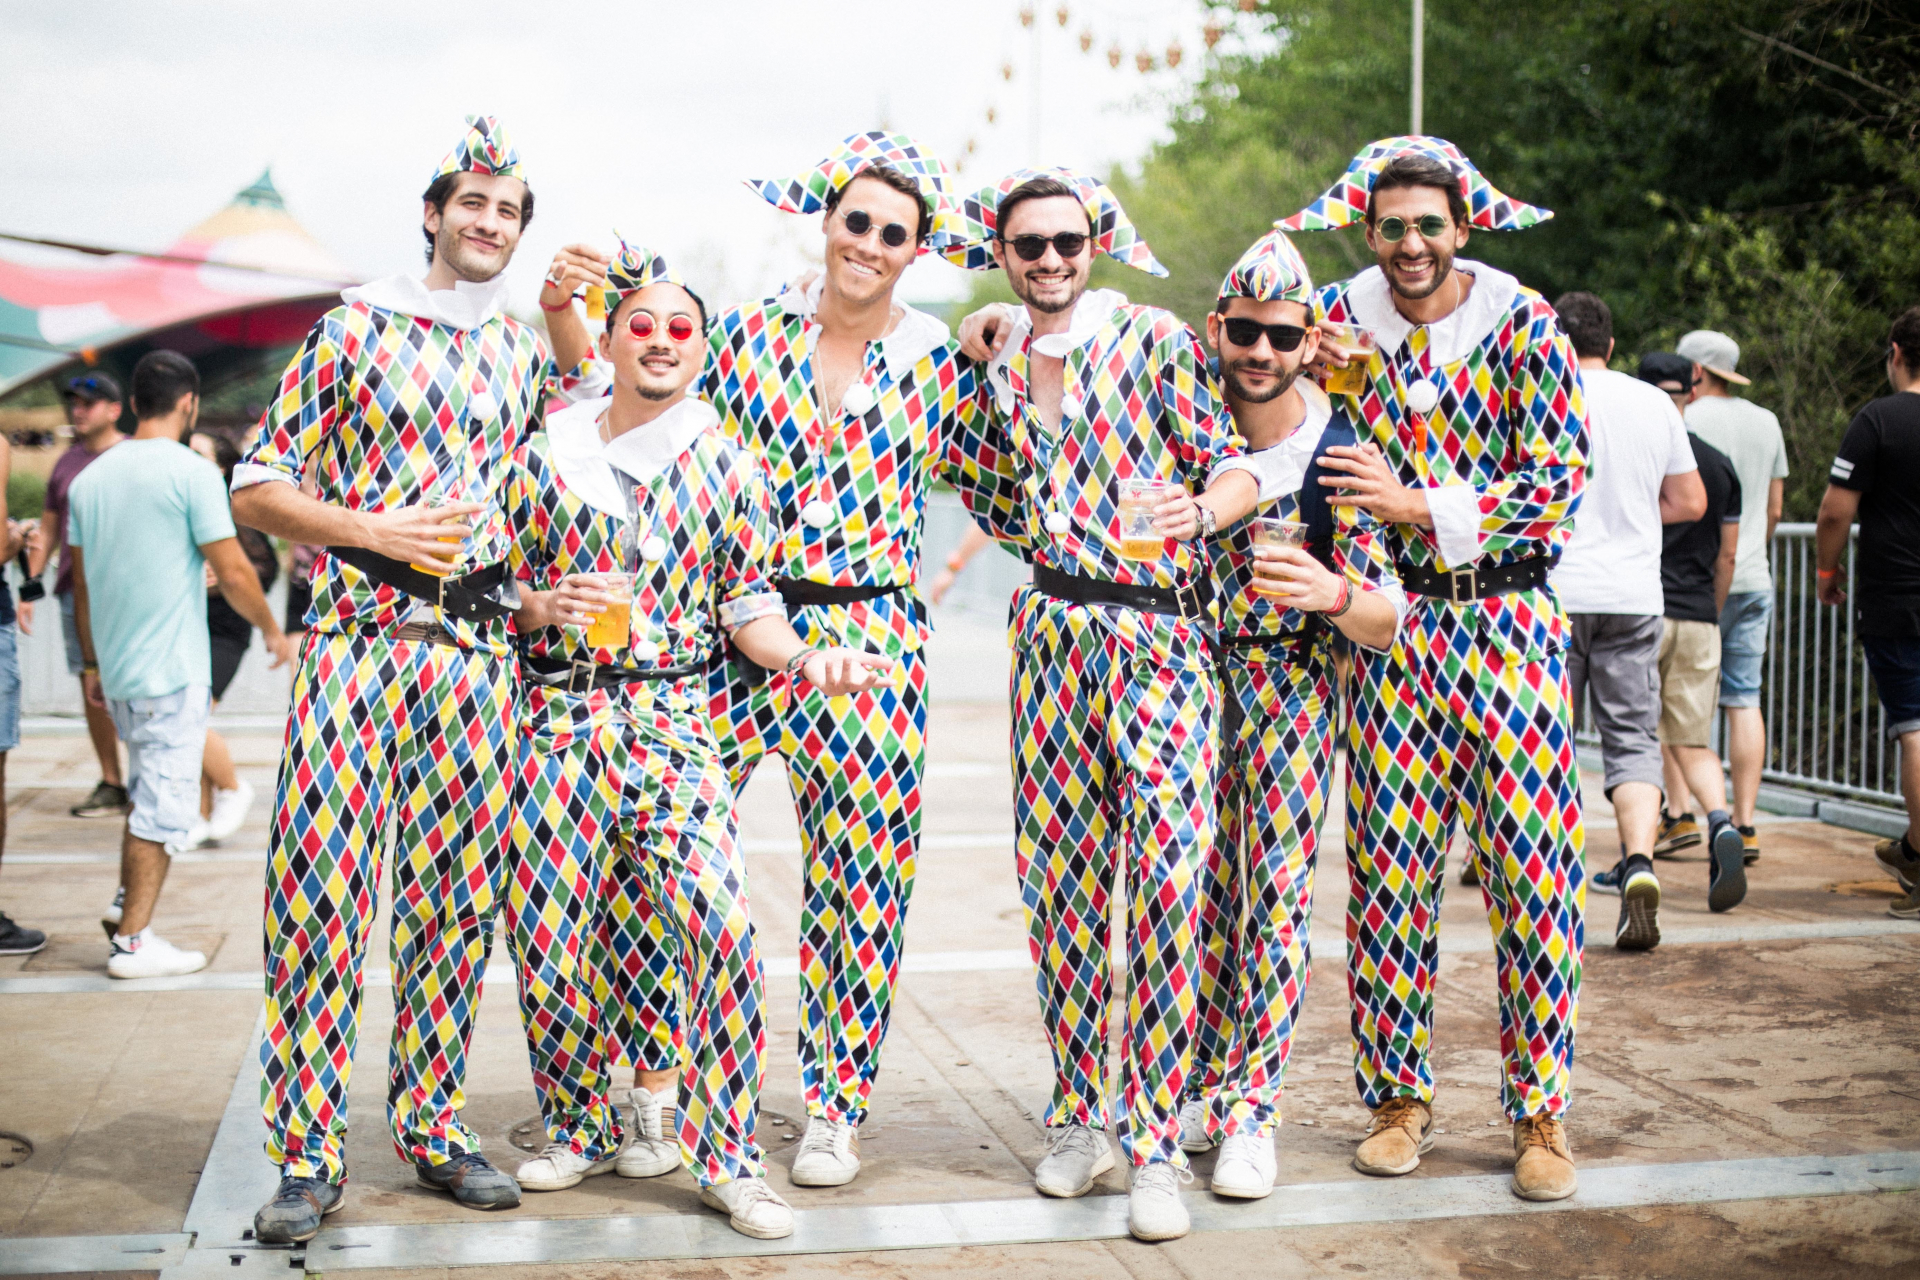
pixel 581 674
pixel 1462 585
pixel 484 594
pixel 1180 602
pixel 1285 640
pixel 799 591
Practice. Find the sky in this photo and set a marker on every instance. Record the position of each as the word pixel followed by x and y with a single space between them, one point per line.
pixel 127 123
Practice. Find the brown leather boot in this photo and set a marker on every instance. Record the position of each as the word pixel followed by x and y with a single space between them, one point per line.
pixel 1401 1129
pixel 1542 1163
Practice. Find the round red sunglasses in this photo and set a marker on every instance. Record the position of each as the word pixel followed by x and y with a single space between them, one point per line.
pixel 641 325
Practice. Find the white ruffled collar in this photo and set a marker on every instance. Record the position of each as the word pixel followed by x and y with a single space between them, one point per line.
pixel 1282 467
pixel 585 462
pixel 1090 315
pixel 465 306
pixel 913 338
pixel 1450 339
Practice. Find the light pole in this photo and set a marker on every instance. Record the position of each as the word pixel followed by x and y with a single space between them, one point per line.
pixel 1419 60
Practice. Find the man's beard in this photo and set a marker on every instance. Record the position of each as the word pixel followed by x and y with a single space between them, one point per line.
pixel 1050 307
pixel 1283 380
pixel 657 393
pixel 468 266
pixel 1442 268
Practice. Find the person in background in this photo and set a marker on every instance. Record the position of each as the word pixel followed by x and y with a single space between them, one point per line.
pixel 1673 374
pixel 143 525
pixel 225 796
pixel 93 403
pixel 15 939
pixel 1750 437
pixel 972 543
pixel 1608 580
pixel 1876 479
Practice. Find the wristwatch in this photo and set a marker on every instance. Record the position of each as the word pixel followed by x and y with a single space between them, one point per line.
pixel 1209 521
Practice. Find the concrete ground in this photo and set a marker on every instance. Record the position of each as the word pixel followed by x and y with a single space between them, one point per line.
pixel 1747 1100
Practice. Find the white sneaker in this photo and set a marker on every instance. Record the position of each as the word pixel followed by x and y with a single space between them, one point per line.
pixel 654 1147
pixel 1193 1127
pixel 829 1155
pixel 752 1208
pixel 1246 1167
pixel 148 955
pixel 1076 1155
pixel 112 914
pixel 195 837
pixel 556 1168
pixel 229 810
pixel 1154 1208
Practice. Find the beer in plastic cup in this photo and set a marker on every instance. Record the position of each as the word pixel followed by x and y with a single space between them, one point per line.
pixel 1356 346
pixel 613 628
pixel 440 498
pixel 599 299
pixel 1269 532
pixel 1139 540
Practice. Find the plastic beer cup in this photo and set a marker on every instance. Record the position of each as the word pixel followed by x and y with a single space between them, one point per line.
pixel 1139 540
pixel 613 628
pixel 440 498
pixel 1356 346
pixel 1269 532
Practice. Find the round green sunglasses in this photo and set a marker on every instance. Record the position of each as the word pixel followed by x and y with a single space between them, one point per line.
pixel 1393 229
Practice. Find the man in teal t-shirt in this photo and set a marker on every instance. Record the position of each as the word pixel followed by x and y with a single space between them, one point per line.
pixel 144 521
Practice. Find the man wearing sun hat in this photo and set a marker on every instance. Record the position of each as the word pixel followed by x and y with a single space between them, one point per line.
pixel 621 780
pixel 1473 400
pixel 414 391
pixel 855 403
pixel 1276 685
pixel 1750 437
pixel 1115 702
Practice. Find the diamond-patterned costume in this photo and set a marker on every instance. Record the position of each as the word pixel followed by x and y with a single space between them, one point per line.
pixel 1466 720
pixel 854 763
pixel 625 786
pixel 380 407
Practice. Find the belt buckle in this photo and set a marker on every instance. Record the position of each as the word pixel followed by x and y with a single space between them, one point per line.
pixel 1454 577
pixel 580 670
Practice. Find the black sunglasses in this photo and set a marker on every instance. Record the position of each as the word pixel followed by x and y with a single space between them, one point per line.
pixel 1067 244
pixel 1242 332
pixel 1393 228
pixel 893 235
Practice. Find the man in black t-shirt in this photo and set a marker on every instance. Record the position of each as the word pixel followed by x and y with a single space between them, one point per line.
pixel 1876 478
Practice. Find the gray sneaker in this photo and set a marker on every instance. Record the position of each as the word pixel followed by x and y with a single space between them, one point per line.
pixel 18 940
pixel 105 800
pixel 472 1181
pixel 1076 1155
pixel 295 1211
pixel 1155 1210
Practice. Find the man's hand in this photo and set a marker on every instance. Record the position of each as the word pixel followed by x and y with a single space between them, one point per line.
pixel 575 266
pixel 985 332
pixel 420 535
pixel 279 648
pixel 1178 517
pixel 1833 590
pixel 575 602
pixel 90 685
pixel 23 614
pixel 16 538
pixel 837 671
pixel 1301 581
pixel 1371 484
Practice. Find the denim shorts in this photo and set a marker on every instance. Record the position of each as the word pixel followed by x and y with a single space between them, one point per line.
pixel 165 737
pixel 70 631
pixel 9 687
pixel 1744 624
pixel 1895 664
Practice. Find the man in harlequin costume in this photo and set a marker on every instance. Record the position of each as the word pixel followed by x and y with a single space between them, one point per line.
pixel 855 403
pixel 1115 702
pixel 620 776
pixel 1473 398
pixel 1276 685
pixel 401 410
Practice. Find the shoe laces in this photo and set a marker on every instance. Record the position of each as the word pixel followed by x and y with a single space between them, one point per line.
pixel 826 1136
pixel 472 1160
pixel 1397 1111
pixel 555 1150
pixel 650 1117
pixel 1076 1138
pixel 298 1189
pixel 1162 1177
pixel 754 1192
pixel 1547 1132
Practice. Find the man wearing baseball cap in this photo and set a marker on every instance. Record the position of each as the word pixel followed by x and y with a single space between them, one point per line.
pixel 1750 437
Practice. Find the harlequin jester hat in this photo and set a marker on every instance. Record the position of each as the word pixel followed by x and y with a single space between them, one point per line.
pixel 1345 202
pixel 633 269
pixel 486 147
pixel 808 192
pixel 1113 232
pixel 1272 270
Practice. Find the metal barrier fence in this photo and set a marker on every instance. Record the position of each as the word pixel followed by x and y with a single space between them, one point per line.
pixel 1826 729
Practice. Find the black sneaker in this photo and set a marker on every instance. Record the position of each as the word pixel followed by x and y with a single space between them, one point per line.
pixel 1639 890
pixel 17 939
pixel 107 799
pixel 472 1180
pixel 1726 868
pixel 294 1213
pixel 1607 881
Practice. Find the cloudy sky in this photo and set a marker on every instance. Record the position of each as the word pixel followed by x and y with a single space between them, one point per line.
pixel 126 123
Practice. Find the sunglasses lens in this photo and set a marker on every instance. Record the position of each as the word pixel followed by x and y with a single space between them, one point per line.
pixel 1391 229
pixel 679 328
pixel 640 325
pixel 859 222
pixel 893 235
pixel 1069 244
pixel 1432 225
pixel 1030 248
pixel 1243 333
